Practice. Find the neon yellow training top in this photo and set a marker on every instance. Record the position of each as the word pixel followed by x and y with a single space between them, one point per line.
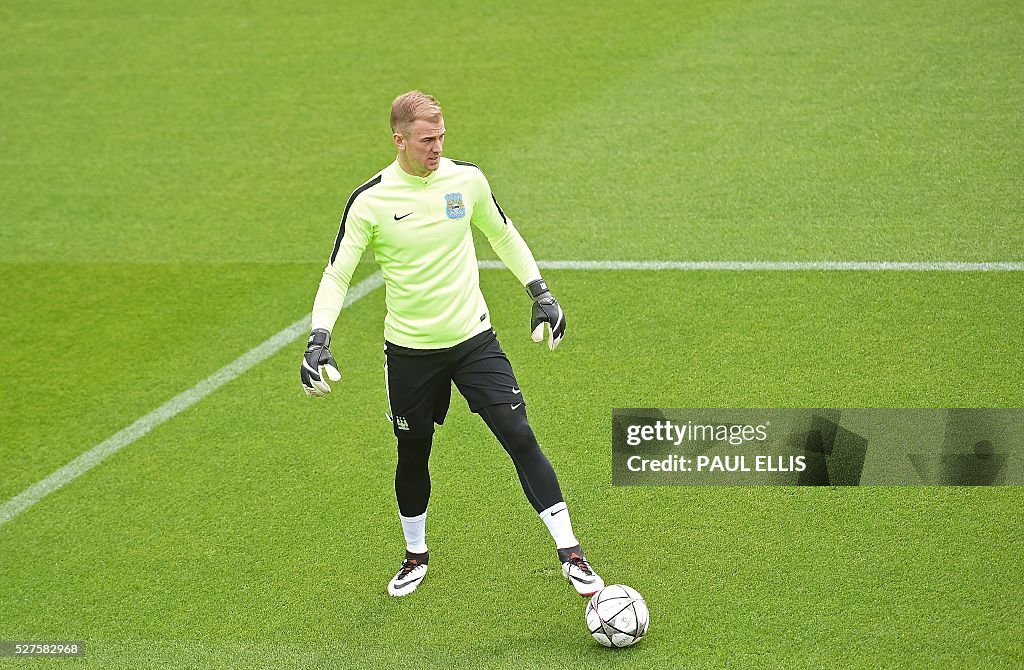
pixel 418 228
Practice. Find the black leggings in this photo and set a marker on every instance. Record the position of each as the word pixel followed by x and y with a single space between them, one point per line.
pixel 412 476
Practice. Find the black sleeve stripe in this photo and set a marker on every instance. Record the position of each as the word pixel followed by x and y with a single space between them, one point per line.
pixel 341 229
pixel 503 217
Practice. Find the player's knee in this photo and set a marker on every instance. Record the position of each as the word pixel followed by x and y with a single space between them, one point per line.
pixel 515 430
pixel 413 453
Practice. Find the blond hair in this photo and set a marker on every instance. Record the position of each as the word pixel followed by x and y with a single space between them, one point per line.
pixel 412 106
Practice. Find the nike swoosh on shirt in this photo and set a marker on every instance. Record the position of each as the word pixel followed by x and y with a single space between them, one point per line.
pixel 399 218
pixel 517 406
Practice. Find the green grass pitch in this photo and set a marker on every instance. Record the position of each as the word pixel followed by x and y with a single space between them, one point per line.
pixel 173 174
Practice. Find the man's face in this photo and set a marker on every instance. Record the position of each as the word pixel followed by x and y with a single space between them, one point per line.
pixel 421 145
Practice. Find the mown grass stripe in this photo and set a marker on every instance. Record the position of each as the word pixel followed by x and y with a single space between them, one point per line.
pixel 275 343
pixel 779 266
pixel 176 405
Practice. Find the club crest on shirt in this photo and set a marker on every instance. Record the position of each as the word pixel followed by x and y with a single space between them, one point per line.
pixel 455 208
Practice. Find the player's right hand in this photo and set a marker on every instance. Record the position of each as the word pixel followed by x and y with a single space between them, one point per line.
pixel 318 363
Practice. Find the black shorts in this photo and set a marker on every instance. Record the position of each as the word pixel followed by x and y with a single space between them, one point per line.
pixel 419 381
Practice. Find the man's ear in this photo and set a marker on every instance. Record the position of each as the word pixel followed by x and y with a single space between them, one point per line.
pixel 399 141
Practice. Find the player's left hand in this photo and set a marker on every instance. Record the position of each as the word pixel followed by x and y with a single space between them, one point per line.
pixel 546 310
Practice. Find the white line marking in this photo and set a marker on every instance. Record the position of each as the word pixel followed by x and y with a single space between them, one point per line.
pixel 778 266
pixel 271 346
pixel 170 409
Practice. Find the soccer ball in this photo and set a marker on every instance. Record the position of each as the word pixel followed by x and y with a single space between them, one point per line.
pixel 617 616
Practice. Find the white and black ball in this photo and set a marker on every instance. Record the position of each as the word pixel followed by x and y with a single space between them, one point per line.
pixel 617 616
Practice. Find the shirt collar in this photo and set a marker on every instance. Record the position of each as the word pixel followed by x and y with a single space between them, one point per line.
pixel 407 178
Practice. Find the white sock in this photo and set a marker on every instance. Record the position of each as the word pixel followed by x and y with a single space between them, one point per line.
pixel 556 518
pixel 415 530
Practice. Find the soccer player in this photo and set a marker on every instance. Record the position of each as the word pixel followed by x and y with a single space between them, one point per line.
pixel 415 214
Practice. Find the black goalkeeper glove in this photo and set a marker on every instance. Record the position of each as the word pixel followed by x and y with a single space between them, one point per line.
pixel 316 362
pixel 546 310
